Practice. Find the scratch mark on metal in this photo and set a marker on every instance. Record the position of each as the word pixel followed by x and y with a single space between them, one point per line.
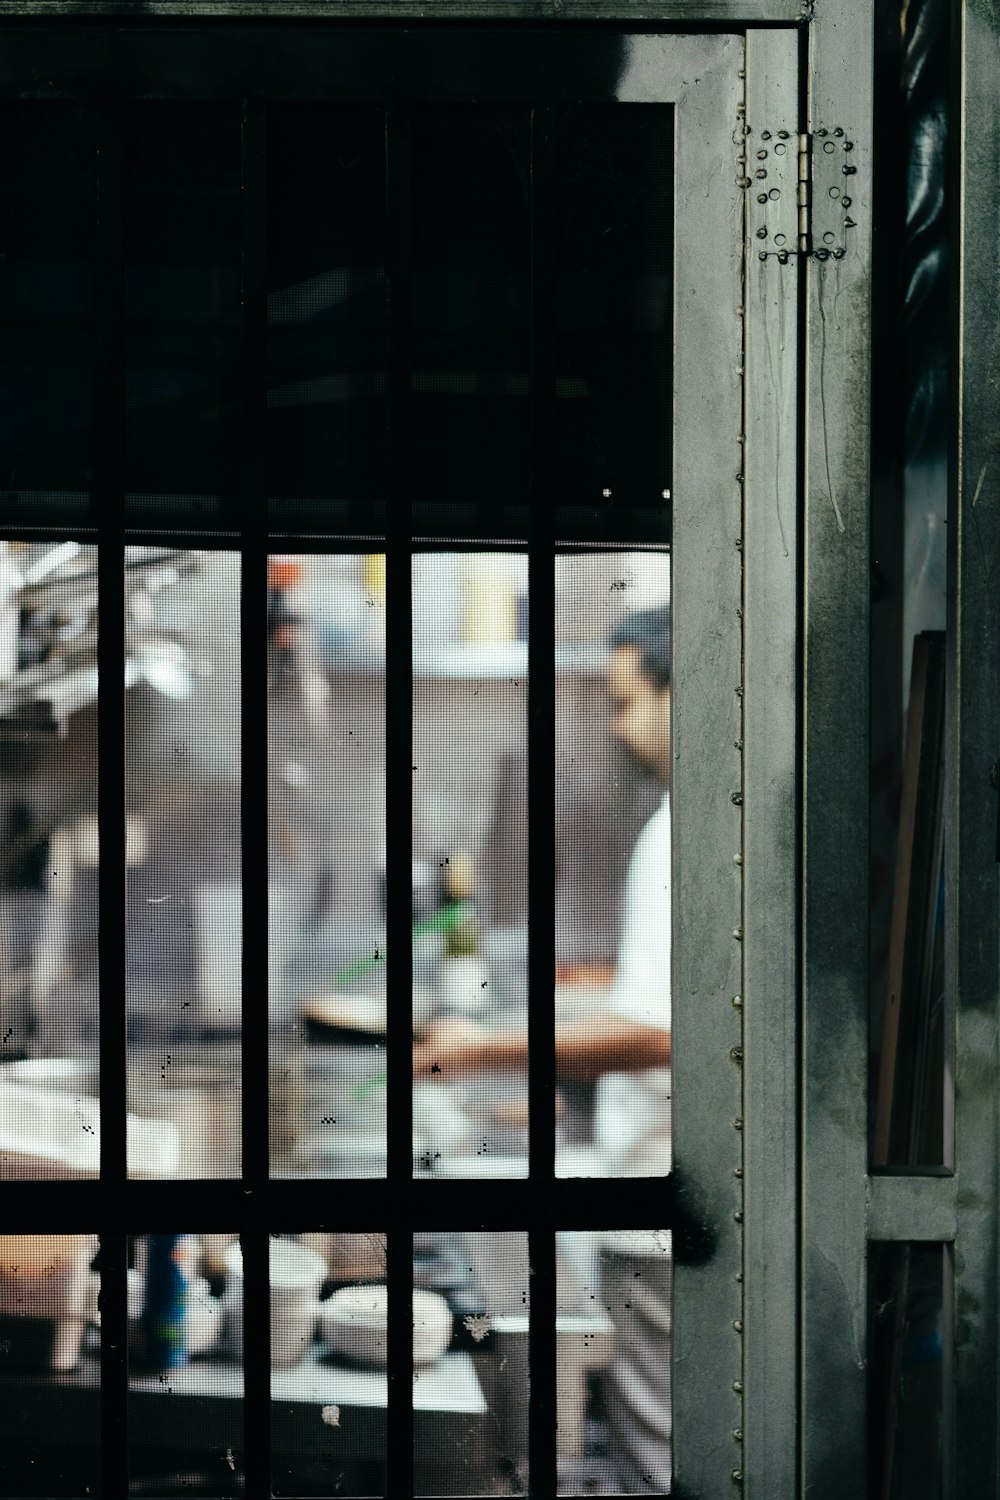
pixel 979 486
pixel 822 402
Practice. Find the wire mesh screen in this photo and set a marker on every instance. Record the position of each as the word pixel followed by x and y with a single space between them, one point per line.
pixel 185 1353
pixel 614 290
pixel 470 863
pixel 48 308
pixel 327 948
pixel 325 309
pixel 470 1356
pixel 329 1386
pixel 49 1123
pixel 184 917
pixel 470 304
pixel 613 1342
pixel 49 1365
pixel 182 245
pixel 612 835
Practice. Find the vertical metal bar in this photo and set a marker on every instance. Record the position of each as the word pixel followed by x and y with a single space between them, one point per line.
pixel 256 1315
pixel 114 1362
pixel 972 936
pixel 254 804
pixel 835 792
pixel 541 797
pixel 399 1458
pixel 399 796
pixel 109 504
pixel 770 790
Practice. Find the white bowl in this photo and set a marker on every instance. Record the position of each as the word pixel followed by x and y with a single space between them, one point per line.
pixel 354 1324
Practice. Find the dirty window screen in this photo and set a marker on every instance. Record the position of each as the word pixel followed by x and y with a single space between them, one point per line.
pixel 327 864
pixel 452 368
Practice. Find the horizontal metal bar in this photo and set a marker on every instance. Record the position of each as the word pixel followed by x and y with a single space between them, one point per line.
pixel 670 12
pixel 911 1208
pixel 314 1204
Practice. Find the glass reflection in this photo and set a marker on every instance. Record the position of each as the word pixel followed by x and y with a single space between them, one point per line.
pixel 326 778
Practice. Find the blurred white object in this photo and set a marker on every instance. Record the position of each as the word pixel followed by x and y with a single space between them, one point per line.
pixel 462 983
pixel 219 905
pixel 45 1134
pixel 481 1166
pixel 296 1275
pixel 46 1277
pixel 10 583
pixel 440 1125
pixel 354 1323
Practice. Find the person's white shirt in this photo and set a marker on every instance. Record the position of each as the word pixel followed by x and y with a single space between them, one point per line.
pixel 632 1113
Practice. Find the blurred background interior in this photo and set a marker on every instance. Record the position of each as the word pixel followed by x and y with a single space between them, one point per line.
pixel 327 840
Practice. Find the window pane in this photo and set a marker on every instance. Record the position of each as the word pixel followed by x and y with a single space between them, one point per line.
pixel 183 943
pixel 612 863
pixel 910 1360
pixel 183 378
pixel 613 1347
pixel 325 311
pixel 326 730
pixel 50 1373
pixel 48 861
pixel 470 861
pixel 328 1382
pixel 185 1407
pixel 614 294
pixel 470 308
pixel 470 1354
pixel 48 347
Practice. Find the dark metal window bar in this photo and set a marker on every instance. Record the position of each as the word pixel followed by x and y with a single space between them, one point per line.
pixel 257 1206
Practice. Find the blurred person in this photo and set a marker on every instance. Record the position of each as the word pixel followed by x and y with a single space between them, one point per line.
pixel 627 1050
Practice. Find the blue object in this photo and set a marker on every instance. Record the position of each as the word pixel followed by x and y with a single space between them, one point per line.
pixel 164 1310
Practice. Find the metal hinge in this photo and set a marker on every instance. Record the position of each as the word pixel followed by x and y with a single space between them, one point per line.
pixel 800 200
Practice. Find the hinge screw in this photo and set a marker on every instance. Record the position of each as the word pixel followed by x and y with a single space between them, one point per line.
pixel 738 1326
pixel 738 934
pixel 737 1171
pixel 839 253
pixel 736 1053
pixel 822 130
pixel 839 131
pixel 736 798
pixel 783 135
pixel 738 1434
pixel 782 257
pixel 762 233
pixel 765 135
pixel 738 1002
pixel 761 197
pixel 737 1123
pixel 738 1387
pixel 846 202
pixel 762 255
pixel 762 155
pixel 822 254
pixel 737 1476
pixel 848 170
pixel 761 172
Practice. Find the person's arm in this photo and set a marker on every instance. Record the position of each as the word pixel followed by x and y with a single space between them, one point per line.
pixel 584 1050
